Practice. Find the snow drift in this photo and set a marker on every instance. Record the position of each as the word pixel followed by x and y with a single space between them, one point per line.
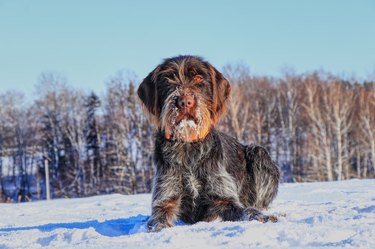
pixel 311 215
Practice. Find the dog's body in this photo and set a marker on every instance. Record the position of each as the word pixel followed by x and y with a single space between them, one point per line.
pixel 201 173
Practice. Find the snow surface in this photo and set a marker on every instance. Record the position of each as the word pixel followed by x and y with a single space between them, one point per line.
pixel 311 215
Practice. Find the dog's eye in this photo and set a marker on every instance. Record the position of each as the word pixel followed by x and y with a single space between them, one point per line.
pixel 197 79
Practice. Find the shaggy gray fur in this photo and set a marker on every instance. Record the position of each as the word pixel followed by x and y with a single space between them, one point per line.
pixel 217 178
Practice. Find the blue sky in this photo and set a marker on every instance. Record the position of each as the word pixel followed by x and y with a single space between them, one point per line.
pixel 88 40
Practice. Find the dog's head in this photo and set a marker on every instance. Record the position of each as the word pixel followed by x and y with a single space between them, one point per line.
pixel 185 96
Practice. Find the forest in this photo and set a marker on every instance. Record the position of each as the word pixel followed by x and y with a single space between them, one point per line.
pixel 317 127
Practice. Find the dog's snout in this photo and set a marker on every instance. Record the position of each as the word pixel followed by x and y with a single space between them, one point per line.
pixel 185 101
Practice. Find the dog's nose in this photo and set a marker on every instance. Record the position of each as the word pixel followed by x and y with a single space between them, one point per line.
pixel 185 101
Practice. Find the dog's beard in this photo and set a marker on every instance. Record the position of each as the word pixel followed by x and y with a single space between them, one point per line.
pixel 182 125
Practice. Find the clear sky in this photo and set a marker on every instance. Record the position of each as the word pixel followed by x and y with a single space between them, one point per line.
pixel 88 40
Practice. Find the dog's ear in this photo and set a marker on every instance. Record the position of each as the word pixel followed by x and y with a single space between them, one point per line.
pixel 147 92
pixel 221 92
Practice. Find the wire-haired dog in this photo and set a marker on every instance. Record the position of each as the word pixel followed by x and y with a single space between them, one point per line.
pixel 201 173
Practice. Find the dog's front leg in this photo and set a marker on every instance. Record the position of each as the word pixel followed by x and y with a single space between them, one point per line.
pixel 223 209
pixel 166 201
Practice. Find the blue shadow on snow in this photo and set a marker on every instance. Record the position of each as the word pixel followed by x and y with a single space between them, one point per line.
pixel 110 228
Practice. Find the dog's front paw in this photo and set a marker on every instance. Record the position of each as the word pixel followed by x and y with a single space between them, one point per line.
pixel 154 226
pixel 254 214
pixel 264 218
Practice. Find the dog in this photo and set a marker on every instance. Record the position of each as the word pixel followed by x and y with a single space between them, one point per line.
pixel 201 174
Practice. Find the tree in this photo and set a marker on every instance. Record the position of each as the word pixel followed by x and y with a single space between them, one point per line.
pixel 92 135
pixel 366 122
pixel 18 133
pixel 237 119
pixel 121 176
pixel 288 110
pixel 319 129
pixel 339 104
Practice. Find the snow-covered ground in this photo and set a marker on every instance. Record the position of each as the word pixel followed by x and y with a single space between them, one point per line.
pixel 312 215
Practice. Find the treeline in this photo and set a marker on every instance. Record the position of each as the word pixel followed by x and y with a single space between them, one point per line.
pixel 93 145
pixel 317 127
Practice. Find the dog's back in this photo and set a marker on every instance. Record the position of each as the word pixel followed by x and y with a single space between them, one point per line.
pixel 265 174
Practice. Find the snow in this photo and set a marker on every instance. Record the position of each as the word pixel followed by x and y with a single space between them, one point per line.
pixel 186 123
pixel 185 127
pixel 311 215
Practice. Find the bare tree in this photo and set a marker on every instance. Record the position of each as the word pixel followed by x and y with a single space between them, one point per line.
pixel 288 106
pixel 121 170
pixel 18 143
pixel 237 119
pixel 315 109
pixel 339 111
pixel 366 123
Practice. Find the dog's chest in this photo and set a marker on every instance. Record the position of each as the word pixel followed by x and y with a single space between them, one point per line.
pixel 191 162
pixel 193 185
